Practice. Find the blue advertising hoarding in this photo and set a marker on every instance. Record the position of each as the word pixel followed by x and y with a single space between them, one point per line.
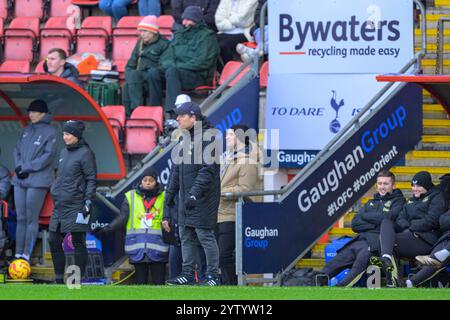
pixel 275 234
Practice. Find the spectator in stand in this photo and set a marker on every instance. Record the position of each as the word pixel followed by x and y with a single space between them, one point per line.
pixel 355 254
pixel 56 65
pixel 145 56
pixel 245 51
pixel 115 8
pixel 142 212
pixel 238 173
pixel 438 260
pixel 208 7
pixel 416 229
pixel 188 62
pixel 72 193
pixel 195 182
pixel 234 19
pixel 34 157
pixel 149 8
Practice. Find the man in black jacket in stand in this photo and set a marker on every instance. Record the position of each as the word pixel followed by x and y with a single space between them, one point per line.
pixel 387 202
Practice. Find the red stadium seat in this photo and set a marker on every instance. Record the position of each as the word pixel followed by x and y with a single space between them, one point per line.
pixel 94 35
pixel 4 9
pixel 57 33
pixel 124 38
pixel 165 23
pixel 46 211
pixel 229 69
pixel 142 129
pixel 61 8
pixel 29 8
pixel 116 117
pixel 40 67
pixel 20 44
pixel 85 2
pixel 264 74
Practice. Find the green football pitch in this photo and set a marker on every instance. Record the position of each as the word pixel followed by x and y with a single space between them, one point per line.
pixel 54 292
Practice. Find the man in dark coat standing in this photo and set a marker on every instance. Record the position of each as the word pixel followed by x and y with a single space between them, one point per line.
pixel 196 180
pixel 387 202
pixel 72 193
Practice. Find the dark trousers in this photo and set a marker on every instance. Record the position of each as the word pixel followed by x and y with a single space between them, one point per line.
pixel 226 240
pixel 176 262
pixel 135 89
pixel 59 259
pixel 157 269
pixel 227 43
pixel 354 256
pixel 428 272
pixel 406 244
pixel 175 80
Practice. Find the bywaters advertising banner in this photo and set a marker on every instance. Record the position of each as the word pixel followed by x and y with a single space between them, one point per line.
pixel 275 234
pixel 308 111
pixel 340 36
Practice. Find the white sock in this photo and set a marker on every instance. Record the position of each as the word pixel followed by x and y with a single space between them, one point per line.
pixel 442 255
pixel 409 284
pixel 26 257
pixel 387 256
pixel 18 256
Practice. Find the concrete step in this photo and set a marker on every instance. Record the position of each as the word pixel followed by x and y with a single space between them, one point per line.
pixel 434 111
pixel 316 263
pixel 429 159
pixel 340 232
pixel 441 3
pixel 436 139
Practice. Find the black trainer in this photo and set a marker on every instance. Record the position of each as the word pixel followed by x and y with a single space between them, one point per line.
pixel 211 281
pixel 181 281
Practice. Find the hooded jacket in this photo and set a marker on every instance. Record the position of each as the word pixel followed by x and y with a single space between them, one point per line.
pixel 201 180
pixel 35 152
pixel 70 72
pixel 76 182
pixel 208 7
pixel 421 215
pixel 367 221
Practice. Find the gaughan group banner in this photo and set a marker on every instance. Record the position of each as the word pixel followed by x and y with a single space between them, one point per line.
pixel 340 36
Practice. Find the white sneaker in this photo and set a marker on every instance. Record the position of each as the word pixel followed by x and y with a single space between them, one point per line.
pixel 428 261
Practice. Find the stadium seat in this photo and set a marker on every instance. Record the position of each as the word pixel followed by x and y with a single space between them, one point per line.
pixel 208 87
pixel 264 74
pixel 228 71
pixel 165 23
pixel 57 33
pixel 20 45
pixel 5 8
pixel 61 8
pixel 116 117
pixel 124 38
pixel 40 67
pixel 85 2
pixel 46 211
pixel 93 36
pixel 29 8
pixel 142 129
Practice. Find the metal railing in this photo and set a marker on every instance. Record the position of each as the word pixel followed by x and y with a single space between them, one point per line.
pixel 440 45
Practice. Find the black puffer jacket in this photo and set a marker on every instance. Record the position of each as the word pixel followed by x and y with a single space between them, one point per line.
pixel 76 183
pixel 70 73
pixel 201 180
pixel 421 215
pixel 444 226
pixel 368 220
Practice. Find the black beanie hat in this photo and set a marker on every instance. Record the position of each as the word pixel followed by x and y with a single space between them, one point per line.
pixel 74 127
pixel 150 172
pixel 193 13
pixel 38 106
pixel 423 179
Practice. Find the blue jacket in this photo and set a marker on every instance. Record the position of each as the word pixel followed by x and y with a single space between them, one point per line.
pixel 35 152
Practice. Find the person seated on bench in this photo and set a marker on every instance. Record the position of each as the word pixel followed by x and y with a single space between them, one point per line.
pixel 56 65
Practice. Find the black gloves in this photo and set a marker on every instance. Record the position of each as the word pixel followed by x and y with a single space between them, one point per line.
pixel 21 175
pixel 190 202
pixel 170 200
pixel 87 208
pixel 101 231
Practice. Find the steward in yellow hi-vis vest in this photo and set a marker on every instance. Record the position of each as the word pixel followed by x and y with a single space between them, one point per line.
pixel 142 211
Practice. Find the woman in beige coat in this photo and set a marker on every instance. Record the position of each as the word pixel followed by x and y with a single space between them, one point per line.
pixel 238 173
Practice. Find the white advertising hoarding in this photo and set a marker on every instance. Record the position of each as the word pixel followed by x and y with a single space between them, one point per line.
pixel 340 36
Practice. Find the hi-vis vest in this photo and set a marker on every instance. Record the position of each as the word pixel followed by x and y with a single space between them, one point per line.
pixel 144 235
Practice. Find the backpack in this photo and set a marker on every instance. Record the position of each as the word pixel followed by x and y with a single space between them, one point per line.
pixel 299 277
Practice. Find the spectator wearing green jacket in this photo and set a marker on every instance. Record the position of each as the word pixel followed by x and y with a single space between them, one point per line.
pixel 145 56
pixel 189 61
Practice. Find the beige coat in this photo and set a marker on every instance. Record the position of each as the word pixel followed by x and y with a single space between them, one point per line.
pixel 237 175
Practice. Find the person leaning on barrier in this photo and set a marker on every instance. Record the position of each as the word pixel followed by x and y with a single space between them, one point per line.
pixel 34 155
pixel 387 202
pixel 142 212
pixel 145 55
pixel 416 229
pixel 238 173
pixel 439 258
pixel 195 180
pixel 72 193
